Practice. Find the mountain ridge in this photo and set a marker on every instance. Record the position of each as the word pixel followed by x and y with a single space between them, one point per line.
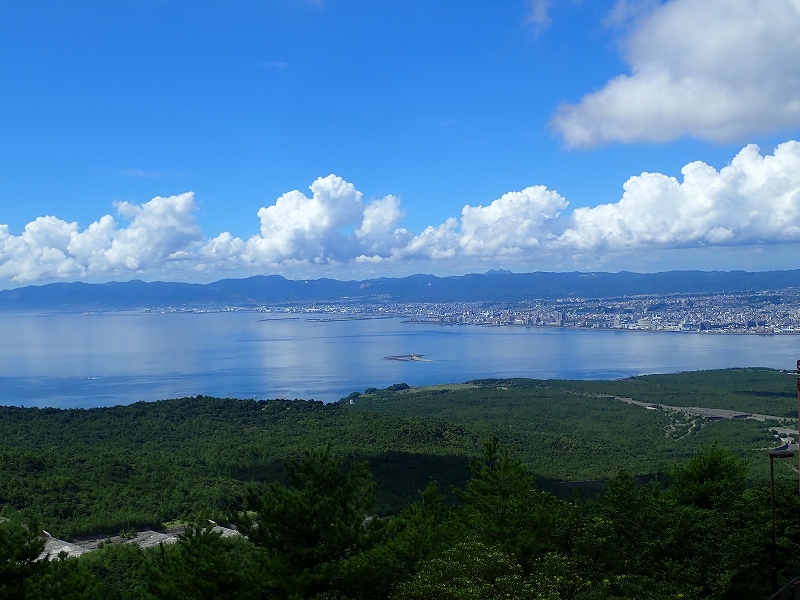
pixel 474 287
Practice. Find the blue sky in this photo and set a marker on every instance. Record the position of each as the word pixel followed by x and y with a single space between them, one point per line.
pixel 436 106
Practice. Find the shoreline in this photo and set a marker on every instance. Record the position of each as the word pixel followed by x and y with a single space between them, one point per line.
pixel 631 329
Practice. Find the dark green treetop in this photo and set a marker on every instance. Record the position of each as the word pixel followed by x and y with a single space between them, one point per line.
pixel 711 476
pixel 309 528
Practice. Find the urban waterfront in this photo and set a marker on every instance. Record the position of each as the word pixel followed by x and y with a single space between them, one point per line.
pixel 770 312
pixel 117 358
pixel 752 312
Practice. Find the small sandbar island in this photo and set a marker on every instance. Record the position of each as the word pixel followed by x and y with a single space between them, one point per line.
pixel 409 358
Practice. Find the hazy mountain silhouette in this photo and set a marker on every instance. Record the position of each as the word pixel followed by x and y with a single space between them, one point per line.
pixel 490 286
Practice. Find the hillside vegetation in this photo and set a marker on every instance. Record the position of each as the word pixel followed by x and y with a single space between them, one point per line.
pixel 340 501
pixel 147 464
pixel 573 430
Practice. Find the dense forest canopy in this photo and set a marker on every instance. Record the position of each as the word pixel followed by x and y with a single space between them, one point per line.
pixel 479 490
pixel 98 470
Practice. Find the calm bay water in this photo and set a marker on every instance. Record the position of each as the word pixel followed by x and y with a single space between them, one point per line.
pixel 119 358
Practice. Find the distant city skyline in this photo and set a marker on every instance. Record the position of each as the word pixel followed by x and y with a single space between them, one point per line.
pixel 321 138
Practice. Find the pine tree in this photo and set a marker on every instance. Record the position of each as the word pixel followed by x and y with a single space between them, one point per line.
pixel 502 507
pixel 20 548
pixel 309 528
pixel 202 565
pixel 712 476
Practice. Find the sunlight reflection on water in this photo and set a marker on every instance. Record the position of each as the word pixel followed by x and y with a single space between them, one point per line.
pixel 118 358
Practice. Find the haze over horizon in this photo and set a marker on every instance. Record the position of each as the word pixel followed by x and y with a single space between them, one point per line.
pixel 320 138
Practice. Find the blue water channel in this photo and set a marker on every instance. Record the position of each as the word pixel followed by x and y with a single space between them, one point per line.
pixel 77 360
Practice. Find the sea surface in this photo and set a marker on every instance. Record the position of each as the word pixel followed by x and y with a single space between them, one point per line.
pixel 88 360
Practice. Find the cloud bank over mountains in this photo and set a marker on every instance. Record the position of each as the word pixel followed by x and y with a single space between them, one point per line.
pixel 711 69
pixel 754 201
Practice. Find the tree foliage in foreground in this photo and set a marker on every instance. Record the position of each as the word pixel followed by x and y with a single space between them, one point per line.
pixel 704 538
pixel 308 529
pixel 26 572
pixel 315 522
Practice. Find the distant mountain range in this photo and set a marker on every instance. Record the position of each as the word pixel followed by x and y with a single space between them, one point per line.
pixel 489 286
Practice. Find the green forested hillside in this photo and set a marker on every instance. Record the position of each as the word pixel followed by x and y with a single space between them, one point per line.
pixel 86 471
pixel 107 469
pixel 763 391
pixel 296 479
pixel 705 537
pixel 571 430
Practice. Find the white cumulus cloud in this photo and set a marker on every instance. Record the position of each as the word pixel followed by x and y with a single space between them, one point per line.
pixel 380 230
pixel 331 226
pixel 512 224
pixel 710 69
pixel 754 202
pixel 159 232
